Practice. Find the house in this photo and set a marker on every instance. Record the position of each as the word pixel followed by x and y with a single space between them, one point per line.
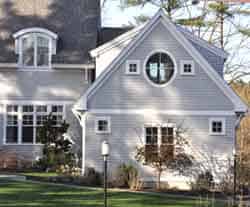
pixel 45 67
pixel 149 80
pixel 129 90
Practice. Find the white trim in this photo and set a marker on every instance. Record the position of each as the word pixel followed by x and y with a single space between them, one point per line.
pixel 132 33
pixel 239 105
pixel 34 36
pixel 217 119
pixel 77 66
pixel 35 102
pixel 53 65
pixel 137 63
pixel 188 62
pixel 117 41
pixel 83 124
pixel 8 65
pixel 159 134
pixel 175 68
pixel 35 30
pixel 168 112
pixel 102 118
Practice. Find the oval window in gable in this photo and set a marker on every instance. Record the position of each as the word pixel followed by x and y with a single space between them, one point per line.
pixel 160 68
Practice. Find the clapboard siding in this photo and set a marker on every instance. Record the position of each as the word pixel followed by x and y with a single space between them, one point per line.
pixel 42 85
pixel 127 133
pixel 196 92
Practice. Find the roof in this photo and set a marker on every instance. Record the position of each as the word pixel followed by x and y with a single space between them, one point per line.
pixel 130 34
pixel 75 22
pixel 239 105
pixel 107 34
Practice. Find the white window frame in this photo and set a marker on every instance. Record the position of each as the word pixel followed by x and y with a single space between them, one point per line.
pixel 20 120
pixel 137 63
pixel 34 32
pixel 103 118
pixel 159 126
pixel 189 62
pixel 222 120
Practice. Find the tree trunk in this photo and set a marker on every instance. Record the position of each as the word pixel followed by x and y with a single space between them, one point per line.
pixel 222 28
pixel 158 184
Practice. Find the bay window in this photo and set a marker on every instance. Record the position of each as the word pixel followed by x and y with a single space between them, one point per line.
pixel 24 121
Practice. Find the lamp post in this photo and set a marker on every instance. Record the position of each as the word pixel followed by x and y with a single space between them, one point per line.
pixel 105 154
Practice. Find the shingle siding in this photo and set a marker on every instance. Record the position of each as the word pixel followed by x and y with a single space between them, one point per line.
pixel 76 22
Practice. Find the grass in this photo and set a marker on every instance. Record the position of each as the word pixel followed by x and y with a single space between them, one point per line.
pixel 40 174
pixel 29 194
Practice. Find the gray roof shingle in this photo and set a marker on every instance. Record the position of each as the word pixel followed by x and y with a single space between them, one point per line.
pixel 76 22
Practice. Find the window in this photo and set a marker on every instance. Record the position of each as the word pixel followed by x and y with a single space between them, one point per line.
pixel 132 67
pixel 217 126
pixel 35 47
pixel 12 124
pixel 187 67
pixel 158 135
pixel 159 139
pixel 102 125
pixel 24 121
pixel 160 68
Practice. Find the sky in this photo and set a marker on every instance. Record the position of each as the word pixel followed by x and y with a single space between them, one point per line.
pixel 114 16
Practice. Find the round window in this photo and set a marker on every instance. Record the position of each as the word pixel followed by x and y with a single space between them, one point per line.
pixel 160 68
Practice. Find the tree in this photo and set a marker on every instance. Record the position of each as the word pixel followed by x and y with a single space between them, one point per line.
pixel 220 23
pixel 57 150
pixel 169 155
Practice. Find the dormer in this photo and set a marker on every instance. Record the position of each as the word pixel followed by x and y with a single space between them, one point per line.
pixel 35 47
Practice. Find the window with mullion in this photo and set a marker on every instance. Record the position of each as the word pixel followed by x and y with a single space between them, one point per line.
pixel 167 135
pixel 35 50
pixel 151 135
pixel 12 128
pixel 28 128
pixel 41 118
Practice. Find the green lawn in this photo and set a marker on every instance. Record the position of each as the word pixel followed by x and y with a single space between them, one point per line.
pixel 40 174
pixel 13 193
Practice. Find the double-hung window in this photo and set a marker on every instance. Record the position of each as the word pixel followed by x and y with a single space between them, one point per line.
pixel 23 122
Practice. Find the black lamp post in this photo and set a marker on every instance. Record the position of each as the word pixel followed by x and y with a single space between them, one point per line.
pixel 105 154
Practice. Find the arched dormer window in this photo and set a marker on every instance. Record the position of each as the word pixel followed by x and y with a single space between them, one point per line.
pixel 35 47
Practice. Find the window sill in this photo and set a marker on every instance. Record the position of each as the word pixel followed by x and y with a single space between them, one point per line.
pixel 101 132
pixel 217 134
pixel 188 74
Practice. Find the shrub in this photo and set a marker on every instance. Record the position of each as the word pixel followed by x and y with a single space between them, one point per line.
pixel 126 175
pixel 57 149
pixel 92 177
pixel 204 182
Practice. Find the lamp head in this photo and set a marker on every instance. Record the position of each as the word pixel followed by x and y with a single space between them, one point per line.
pixel 105 148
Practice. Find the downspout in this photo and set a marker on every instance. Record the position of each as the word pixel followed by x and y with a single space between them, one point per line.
pixel 81 117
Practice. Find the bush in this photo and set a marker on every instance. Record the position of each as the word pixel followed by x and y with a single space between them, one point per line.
pixel 126 176
pixel 204 182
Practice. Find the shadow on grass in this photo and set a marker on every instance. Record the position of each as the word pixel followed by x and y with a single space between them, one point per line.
pixel 22 194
